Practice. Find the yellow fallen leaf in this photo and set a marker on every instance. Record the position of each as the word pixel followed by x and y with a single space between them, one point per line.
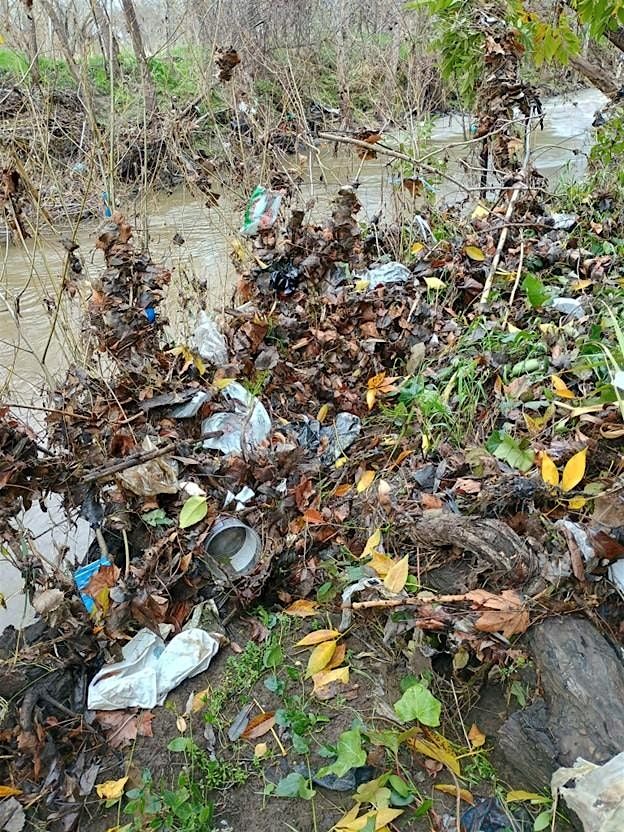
pixel 365 481
pixel 436 752
pixel 347 818
pixel 112 789
pixel 326 677
pixel 382 818
pixel 320 657
pixel 381 563
pixel 361 285
pixel 574 471
pixel 371 396
pixel 373 542
pixel 480 212
pixel 536 424
pixel 550 475
pixel 561 388
pixel 476 736
pixel 425 443
pixel 9 791
pixel 200 700
pixel 397 575
pixel 200 366
pixel 520 794
pixel 322 414
pixel 303 608
pixel 577 503
pixel 450 788
pixel 260 750
pixel 340 462
pixel 238 248
pixel 475 253
pixel 434 283
pixel 317 637
pixel 417 248
pixel 222 383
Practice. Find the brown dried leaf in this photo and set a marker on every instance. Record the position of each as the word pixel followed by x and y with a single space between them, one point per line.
pixel 258 726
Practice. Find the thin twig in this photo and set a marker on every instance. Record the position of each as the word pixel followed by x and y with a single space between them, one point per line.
pixel 405 602
pixel 519 186
pixel 512 297
pixel 144 456
pixel 395 154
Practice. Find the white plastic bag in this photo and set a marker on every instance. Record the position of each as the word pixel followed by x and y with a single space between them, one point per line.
pixel 209 341
pixel 150 670
pixel 596 795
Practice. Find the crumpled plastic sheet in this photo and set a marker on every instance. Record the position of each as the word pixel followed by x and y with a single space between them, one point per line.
pixel 339 436
pixel 150 669
pixel 392 272
pixel 190 408
pixel 158 476
pixel 596 794
pixel 209 341
pixel 261 211
pixel 247 424
pixel 489 815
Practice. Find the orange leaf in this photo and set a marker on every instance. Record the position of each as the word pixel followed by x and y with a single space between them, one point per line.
pixel 260 725
pixel 302 608
pixel 561 388
pixel 449 788
pixel 342 490
pixel 338 657
pixel 365 481
pixel 397 575
pixel 326 677
pixel 313 517
pixel 476 736
pixel 317 637
pixel 9 791
pixel 504 613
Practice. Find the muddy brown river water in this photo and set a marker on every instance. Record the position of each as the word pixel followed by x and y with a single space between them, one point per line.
pixel 30 278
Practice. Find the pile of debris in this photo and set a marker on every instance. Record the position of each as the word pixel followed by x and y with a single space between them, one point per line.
pixel 273 446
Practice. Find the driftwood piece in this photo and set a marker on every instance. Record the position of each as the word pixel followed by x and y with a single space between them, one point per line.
pixel 499 548
pixel 582 713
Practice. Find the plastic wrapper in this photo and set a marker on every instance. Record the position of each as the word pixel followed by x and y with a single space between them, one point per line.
pixel 595 793
pixel 150 669
pixel 209 341
pixel 261 211
pixel 247 423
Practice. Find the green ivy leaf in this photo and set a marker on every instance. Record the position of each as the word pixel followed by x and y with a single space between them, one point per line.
pixel 512 452
pixel 418 703
pixel 350 754
pixel 536 292
pixel 294 785
pixel 543 820
pixel 157 517
pixel 180 744
pixel 193 510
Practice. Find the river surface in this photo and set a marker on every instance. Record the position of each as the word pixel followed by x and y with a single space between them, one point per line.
pixel 30 276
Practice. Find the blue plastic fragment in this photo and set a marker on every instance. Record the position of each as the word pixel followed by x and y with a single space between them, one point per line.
pixel 150 314
pixel 83 576
pixel 107 209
